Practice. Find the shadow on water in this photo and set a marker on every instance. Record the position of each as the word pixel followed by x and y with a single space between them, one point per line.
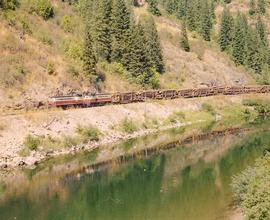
pixel 189 181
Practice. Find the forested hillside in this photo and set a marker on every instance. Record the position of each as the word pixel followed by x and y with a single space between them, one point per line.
pixel 52 46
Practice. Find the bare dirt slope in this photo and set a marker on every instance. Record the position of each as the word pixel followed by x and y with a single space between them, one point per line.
pixel 205 64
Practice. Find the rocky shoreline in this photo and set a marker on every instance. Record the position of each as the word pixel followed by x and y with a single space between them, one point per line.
pixel 36 157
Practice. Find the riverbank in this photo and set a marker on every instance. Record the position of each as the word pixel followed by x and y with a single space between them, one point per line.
pixel 56 131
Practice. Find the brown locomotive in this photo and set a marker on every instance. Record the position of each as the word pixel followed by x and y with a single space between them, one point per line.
pixel 141 96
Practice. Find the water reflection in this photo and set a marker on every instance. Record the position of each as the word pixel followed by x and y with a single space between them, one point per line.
pixel 189 182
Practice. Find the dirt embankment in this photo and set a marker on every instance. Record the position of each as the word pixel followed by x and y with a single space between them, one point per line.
pixel 107 119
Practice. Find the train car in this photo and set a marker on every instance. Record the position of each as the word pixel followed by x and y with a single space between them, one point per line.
pixel 169 94
pixel 124 98
pixel 97 99
pixel 186 93
pixel 65 101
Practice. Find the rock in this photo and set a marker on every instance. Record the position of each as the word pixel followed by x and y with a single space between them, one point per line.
pixel 21 163
pixel 4 166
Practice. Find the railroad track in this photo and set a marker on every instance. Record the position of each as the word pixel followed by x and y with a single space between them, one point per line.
pixel 90 100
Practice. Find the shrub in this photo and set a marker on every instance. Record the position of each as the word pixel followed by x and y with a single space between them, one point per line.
pixel 252 191
pixel 73 50
pixel 66 23
pixel 208 108
pixel 31 142
pixel 68 141
pixel 128 126
pixel 44 38
pixel 43 8
pixel 50 67
pixel 9 4
pixel 88 133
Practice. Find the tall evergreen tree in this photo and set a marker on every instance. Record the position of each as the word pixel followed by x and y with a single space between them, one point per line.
pixel 239 45
pixel 153 7
pixel 212 9
pixel 135 59
pixel 120 25
pixel 254 56
pixel 184 43
pixel 252 7
pixel 190 16
pixel 226 30
pixel 261 30
pixel 181 8
pixel 261 6
pixel 101 26
pixel 171 6
pixel 152 46
pixel 205 22
pixel 89 58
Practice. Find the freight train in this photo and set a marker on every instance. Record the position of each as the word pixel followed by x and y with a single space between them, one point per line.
pixel 89 100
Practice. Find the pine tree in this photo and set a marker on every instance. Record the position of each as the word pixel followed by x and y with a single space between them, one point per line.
pixel 261 30
pixel 205 22
pixel 135 59
pixel 101 26
pixel 153 7
pixel 182 9
pixel 254 57
pixel 261 6
pixel 152 46
pixel 89 59
pixel 190 16
pixel 120 24
pixel 226 30
pixel 212 9
pixel 252 7
pixel 239 45
pixel 184 43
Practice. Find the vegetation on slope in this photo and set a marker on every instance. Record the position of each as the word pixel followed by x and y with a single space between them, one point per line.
pixel 51 46
pixel 252 190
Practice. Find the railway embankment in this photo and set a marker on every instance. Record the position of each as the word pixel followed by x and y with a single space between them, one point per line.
pixel 31 137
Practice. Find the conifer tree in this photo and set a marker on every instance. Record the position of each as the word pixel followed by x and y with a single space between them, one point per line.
pixel 261 6
pixel 153 7
pixel 190 16
pixel 184 43
pixel 252 7
pixel 212 9
pixel 101 26
pixel 120 24
pixel 170 6
pixel 261 30
pixel 238 46
pixel 152 46
pixel 254 56
pixel 182 8
pixel 135 59
pixel 205 22
pixel 89 59
pixel 226 30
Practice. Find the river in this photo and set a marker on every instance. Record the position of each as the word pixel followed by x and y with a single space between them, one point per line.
pixel 190 182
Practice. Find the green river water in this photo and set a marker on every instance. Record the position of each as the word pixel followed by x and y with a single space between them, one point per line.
pixel 188 182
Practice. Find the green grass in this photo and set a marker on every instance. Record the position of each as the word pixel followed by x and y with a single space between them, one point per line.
pixel 32 143
pixel 88 133
pixel 128 126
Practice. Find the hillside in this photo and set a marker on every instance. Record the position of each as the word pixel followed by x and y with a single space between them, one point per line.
pixel 42 57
